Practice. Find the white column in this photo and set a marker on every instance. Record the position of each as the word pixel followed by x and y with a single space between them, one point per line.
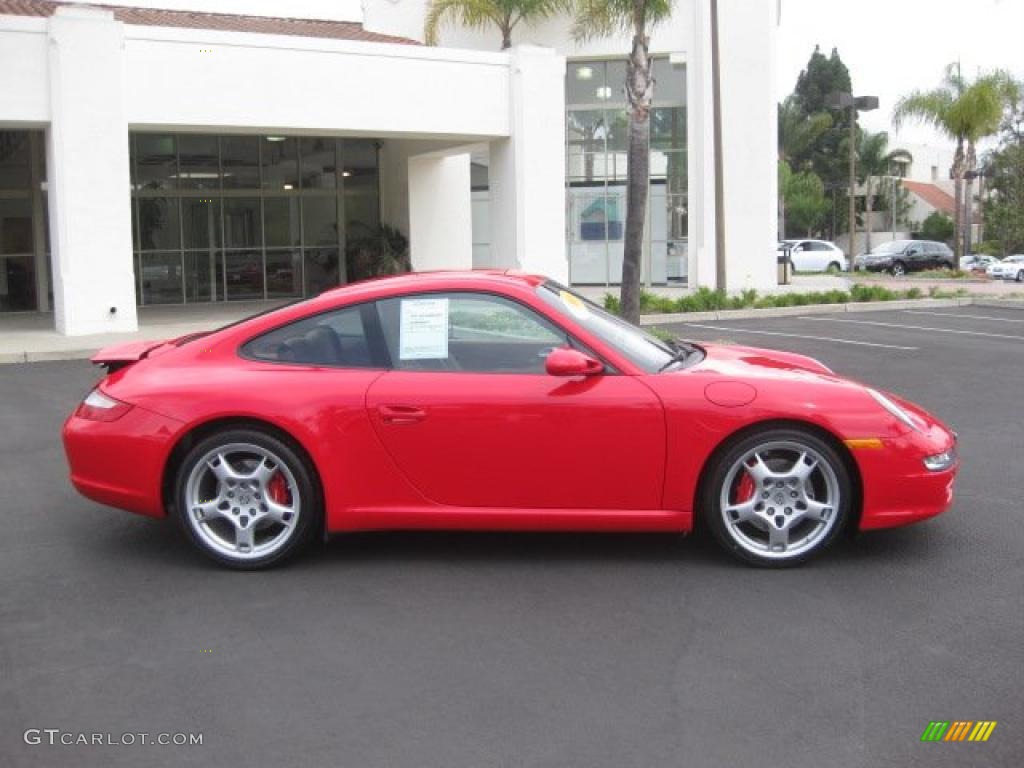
pixel 749 141
pixel 88 179
pixel 440 214
pixel 527 170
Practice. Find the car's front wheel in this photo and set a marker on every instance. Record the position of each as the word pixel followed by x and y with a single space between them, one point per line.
pixel 1020 277
pixel 899 269
pixel 777 497
pixel 246 499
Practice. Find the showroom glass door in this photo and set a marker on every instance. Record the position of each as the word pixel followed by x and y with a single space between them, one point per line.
pixel 23 245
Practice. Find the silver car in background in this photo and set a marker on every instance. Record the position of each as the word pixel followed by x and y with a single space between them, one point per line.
pixel 1010 268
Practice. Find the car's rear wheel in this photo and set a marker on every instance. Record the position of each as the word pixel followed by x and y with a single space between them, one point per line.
pixel 834 267
pixel 777 497
pixel 246 499
pixel 1020 277
pixel 899 269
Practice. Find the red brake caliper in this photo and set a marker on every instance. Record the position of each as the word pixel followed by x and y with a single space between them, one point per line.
pixel 277 488
pixel 744 489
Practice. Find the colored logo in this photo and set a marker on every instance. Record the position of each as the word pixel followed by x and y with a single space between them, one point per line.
pixel 958 730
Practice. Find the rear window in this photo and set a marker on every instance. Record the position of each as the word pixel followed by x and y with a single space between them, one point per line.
pixel 336 339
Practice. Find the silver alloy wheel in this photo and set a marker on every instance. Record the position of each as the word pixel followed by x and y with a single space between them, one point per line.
pixel 898 270
pixel 780 500
pixel 243 501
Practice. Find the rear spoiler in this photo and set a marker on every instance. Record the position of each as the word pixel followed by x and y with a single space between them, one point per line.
pixel 122 355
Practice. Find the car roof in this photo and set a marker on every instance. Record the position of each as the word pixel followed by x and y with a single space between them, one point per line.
pixel 413 281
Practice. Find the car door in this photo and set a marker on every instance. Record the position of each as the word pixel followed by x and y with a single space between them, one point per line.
pixel 915 256
pixel 801 257
pixel 470 416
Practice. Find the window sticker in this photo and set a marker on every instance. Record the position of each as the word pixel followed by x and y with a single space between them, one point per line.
pixel 423 332
pixel 573 304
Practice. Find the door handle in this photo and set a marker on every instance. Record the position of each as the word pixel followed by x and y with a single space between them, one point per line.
pixel 401 414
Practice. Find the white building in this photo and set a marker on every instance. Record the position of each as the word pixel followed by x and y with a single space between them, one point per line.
pixel 179 156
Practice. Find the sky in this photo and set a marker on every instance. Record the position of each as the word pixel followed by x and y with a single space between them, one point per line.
pixel 894 46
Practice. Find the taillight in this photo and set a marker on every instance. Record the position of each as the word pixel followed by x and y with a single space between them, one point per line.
pixel 100 407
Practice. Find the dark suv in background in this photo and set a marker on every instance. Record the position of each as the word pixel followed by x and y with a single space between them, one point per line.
pixel 902 256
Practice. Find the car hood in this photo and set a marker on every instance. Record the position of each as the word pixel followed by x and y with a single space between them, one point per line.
pixel 738 360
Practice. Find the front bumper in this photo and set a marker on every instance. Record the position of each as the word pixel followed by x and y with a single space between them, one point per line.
pixel 898 488
pixel 120 463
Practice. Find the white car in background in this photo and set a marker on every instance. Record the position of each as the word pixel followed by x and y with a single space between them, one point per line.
pixel 1010 268
pixel 814 255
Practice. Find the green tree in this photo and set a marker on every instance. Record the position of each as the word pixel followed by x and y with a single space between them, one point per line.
pixel 601 18
pixel 1004 174
pixel 966 111
pixel 874 160
pixel 824 155
pixel 482 14
pixel 937 226
pixel 804 196
pixel 798 133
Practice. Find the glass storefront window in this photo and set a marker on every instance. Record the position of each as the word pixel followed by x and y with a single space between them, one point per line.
pixel 14 160
pixel 156 162
pixel 247 217
pixel 240 161
pixel 284 273
pixel 597 140
pixel 159 226
pixel 160 278
pixel 200 222
pixel 280 162
pixel 243 274
pixel 281 221
pixel 320 221
pixel 199 162
pixel 242 227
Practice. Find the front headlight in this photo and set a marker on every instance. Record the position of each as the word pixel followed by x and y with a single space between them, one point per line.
pixel 901 414
pixel 940 461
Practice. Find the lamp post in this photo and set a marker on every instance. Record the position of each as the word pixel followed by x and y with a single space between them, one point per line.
pixel 842 100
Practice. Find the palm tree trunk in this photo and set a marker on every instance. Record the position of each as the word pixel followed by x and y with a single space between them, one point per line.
pixel 958 200
pixel 639 92
pixel 506 36
pixel 972 160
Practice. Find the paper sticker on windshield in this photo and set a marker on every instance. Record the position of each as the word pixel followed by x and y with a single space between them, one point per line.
pixel 573 304
pixel 423 332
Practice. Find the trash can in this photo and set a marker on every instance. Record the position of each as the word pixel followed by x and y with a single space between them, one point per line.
pixel 785 266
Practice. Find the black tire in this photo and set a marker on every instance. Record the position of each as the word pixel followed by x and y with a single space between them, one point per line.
pixel 300 531
pixel 899 269
pixel 1020 277
pixel 731 536
pixel 834 267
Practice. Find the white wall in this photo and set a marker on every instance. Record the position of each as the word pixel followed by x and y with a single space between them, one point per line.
pixel 24 95
pixel 440 225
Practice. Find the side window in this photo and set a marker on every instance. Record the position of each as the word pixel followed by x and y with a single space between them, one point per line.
pixel 330 339
pixel 819 247
pixel 473 332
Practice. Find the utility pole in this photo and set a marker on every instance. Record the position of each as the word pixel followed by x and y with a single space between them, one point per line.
pixel 842 100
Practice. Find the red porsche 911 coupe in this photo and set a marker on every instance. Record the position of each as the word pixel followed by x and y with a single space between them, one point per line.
pixel 493 400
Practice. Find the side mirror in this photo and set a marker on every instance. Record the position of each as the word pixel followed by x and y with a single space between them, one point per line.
pixel 564 361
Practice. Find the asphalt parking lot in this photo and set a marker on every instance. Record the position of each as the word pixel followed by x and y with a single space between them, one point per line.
pixel 471 650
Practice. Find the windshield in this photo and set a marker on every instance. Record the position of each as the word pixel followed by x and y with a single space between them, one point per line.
pixel 643 349
pixel 894 246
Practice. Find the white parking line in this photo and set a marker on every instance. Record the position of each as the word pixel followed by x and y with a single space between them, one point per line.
pixel 901 326
pixel 733 329
pixel 969 317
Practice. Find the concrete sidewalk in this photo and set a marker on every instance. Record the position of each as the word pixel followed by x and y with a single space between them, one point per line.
pixel 30 337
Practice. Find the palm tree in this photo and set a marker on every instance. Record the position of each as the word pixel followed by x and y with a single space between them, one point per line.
pixel 797 134
pixel 966 111
pixel 481 14
pixel 601 18
pixel 875 159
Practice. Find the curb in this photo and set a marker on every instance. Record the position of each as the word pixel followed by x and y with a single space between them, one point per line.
pixel 813 309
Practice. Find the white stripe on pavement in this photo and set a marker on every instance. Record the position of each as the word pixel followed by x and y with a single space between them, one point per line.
pixel 733 329
pixel 901 326
pixel 969 317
